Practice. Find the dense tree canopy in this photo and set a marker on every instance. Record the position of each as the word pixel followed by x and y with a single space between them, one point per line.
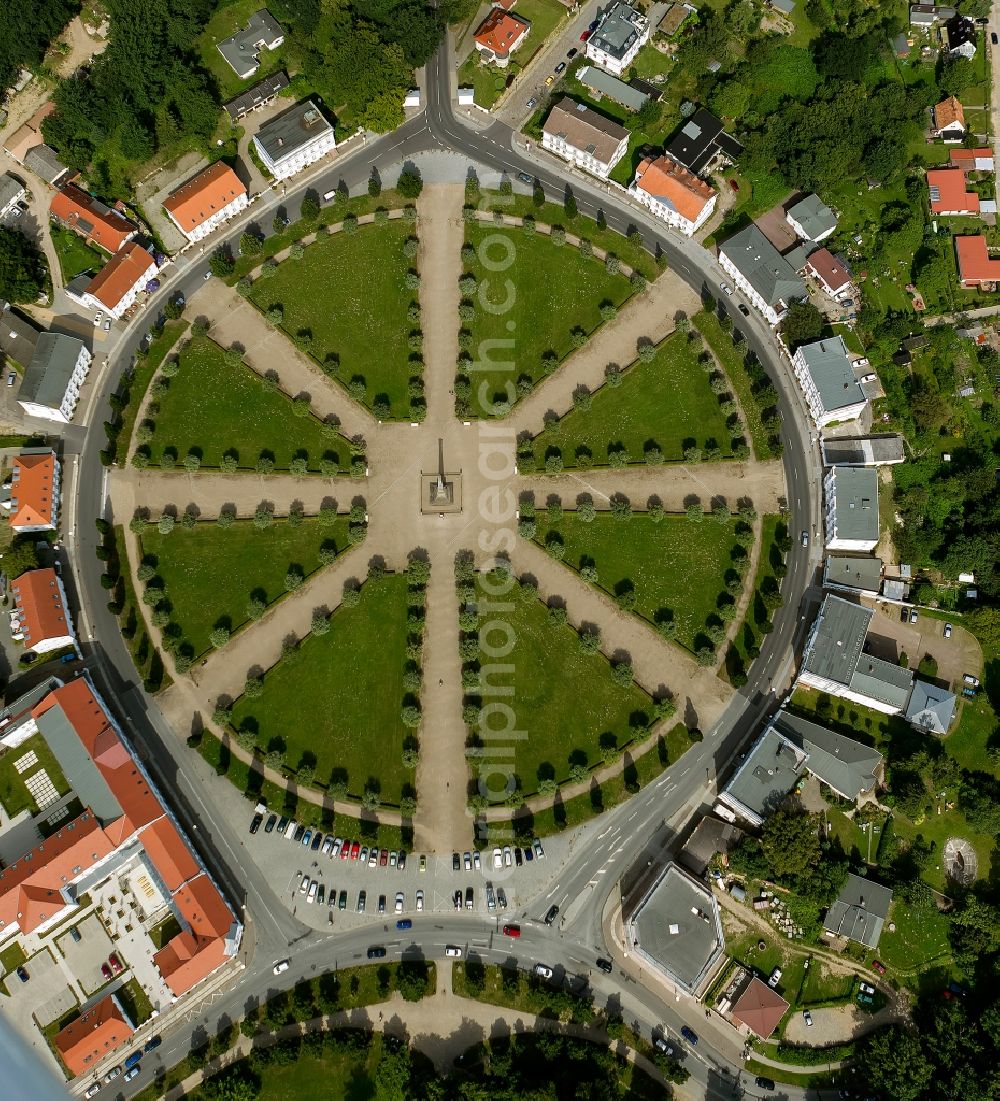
pixel 22 267
pixel 28 28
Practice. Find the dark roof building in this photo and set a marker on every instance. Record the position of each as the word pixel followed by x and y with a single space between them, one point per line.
pixel 18 336
pixel 257 96
pixel 859 911
pixel 44 162
pixel 700 140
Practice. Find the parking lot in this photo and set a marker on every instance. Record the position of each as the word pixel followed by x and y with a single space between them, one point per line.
pixel 890 636
pixel 85 957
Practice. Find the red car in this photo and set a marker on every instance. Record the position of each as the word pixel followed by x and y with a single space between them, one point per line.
pixel 116 964
pixel 355 850
pixel 879 967
pixel 345 851
pixel 585 36
pixel 734 185
pixel 512 930
pixel 383 858
pixel 105 971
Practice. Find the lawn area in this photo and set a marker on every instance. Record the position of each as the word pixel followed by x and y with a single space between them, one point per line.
pixel 12 957
pixel 919 941
pixel 487 81
pixel 542 316
pixel 746 642
pixel 765 444
pixel 133 389
pixel 75 255
pixel 544 16
pixel 636 774
pixel 209 572
pixel 821 985
pixel 676 568
pixel 564 699
pixel 250 422
pixel 14 794
pixel 666 403
pixel 359 322
pixel 135 1001
pixel 229 18
pixel 353 679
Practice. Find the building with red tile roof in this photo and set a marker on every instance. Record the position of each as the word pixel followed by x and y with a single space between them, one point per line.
pixel 499 35
pixel 43 617
pixel 976 268
pixel 117 285
pixel 979 160
pixel 83 1043
pixel 34 491
pixel 197 951
pixel 204 203
pixel 759 1008
pixel 682 199
pixel 948 193
pixel 829 272
pixel 949 119
pixel 96 223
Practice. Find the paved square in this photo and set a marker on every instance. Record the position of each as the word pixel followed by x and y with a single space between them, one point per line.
pixel 22 764
pixel 42 789
pixel 85 957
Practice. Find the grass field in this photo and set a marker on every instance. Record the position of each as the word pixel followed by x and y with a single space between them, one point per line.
pixel 919 941
pixel 134 389
pixel 352 678
pixel 564 700
pixel 543 313
pixel 75 255
pixel 212 407
pixel 14 794
pixel 210 572
pixel 675 566
pixel 666 403
pixel 360 318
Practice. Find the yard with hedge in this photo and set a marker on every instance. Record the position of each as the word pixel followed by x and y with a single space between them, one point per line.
pixel 218 409
pixel 346 301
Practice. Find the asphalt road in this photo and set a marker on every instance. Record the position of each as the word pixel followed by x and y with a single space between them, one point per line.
pixel 629 836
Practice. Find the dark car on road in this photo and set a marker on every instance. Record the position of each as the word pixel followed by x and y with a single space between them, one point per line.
pixel 525 178
pixel 765 1084
pixel 270 824
pixel 605 965
pixel 551 916
pixel 690 1035
pixel 376 952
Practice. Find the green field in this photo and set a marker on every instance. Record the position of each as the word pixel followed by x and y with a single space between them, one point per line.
pixel 75 255
pixel 352 678
pixel 209 572
pixel 676 567
pixel 543 312
pixel 666 403
pixel 213 408
pixel 359 320
pixel 14 794
pixel 564 700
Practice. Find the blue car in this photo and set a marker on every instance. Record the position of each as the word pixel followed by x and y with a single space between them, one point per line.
pixel 690 1035
pixel 133 1059
pixel 404 923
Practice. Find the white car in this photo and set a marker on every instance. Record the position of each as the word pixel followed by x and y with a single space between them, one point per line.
pixel 726 288
pixel 420 901
pixel 312 890
pixel 107 325
pixel 497 858
pixel 542 971
pixel 97 320
pixel 508 856
pixel 947 630
pixel 453 950
pixel 281 967
pixel 400 899
pixel 475 860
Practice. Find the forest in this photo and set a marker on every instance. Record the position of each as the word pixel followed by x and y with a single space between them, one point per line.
pixel 29 27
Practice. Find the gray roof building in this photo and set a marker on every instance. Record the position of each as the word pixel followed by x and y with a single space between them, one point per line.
pixel 766 775
pixel 261 93
pixel 10 190
pixel 604 84
pixel 813 217
pixel 852 521
pixel 242 50
pixel 618 30
pixel 763 267
pixel 882 681
pixel 44 162
pixel 48 374
pixel 863 574
pixel 930 708
pixel 18 337
pixel 299 125
pixel 832 373
pixel 860 911
pixel 848 766
pixel 862 450
pixel 677 929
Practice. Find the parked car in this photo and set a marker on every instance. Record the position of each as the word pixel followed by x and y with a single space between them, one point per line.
pixel 775 978
pixel 97 320
pixel 456 862
pixel 23 975
pixel 313 890
pixel 531 105
pixel 550 917
pixel 528 853
pixel 321 896
pixel 512 931
pixel 381 904
pixel 383 858
pixel 726 288
pixel 423 863
pixel 542 971
pixel 112 1074
pixel 116 963
pixel 878 967
pixel 281 967
pixel 742 308
pixel 12 378
pixel 342 901
pixel 401 862
pixel 467 861
pixel 270 824
pixel 307 839
pixel 304 885
pixel 993 37
pixel 338 845
pixel 364 854
pixel 501 898
pixel 947 630
pixel 107 329
pixel 808 1018
pixel 548 81
pixel 491 898
pixel 470 898
pixel 75 934
pixel 94 1090
pixel 518 856
pixel 133 1073
pixel 400 899
pixel 497 858
pixel 867 988
pixel 539 851
pixel 457 900
pixel 152 1043
pixel 255 822
pixel 393 857
pixel 317 841
pixel 328 845
pixel 586 34
pixel 605 965
pixel 299 832
pixel 355 849
pixel 453 950
pixel 373 858
pixel 662 1046
pixel 689 1034
pixel 560 68
pixel 508 856
pixel 290 829
pixel 420 901
pixel 570 54
pixel 764 1083
pixel 362 899
pixel 105 973
pixel 477 861
pixel 805 538
pixel 376 952
pixel 404 923
pixel 970 679
pixel 524 177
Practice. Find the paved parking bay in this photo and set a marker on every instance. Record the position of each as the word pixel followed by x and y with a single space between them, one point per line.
pixel 45 994
pixel 85 958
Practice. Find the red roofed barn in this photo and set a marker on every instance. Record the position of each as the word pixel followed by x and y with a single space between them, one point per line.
pixel 948 194
pixel 117 285
pixel 975 265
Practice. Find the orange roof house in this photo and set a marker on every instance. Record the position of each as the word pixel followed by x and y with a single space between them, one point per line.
pixel 117 284
pixel 170 856
pixel 949 117
pixel 759 1008
pixel 198 950
pixel 499 35
pixel 674 193
pixel 29 135
pixel 948 194
pixel 41 605
pixel 34 491
pixel 84 1042
pixel 207 199
pixel 96 223
pixel 975 265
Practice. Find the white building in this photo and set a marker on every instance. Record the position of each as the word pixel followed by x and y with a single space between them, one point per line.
pixel 851 497
pixel 829 381
pixel 672 193
pixel 117 286
pixel 761 273
pixel 54 377
pixel 206 202
pixel 620 35
pixel 294 139
pixel 584 137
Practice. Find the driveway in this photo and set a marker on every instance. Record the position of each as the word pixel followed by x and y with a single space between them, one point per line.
pixel 890 636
